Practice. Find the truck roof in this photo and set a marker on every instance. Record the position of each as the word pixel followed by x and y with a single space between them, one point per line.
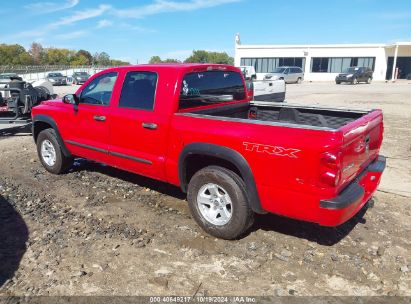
pixel 179 66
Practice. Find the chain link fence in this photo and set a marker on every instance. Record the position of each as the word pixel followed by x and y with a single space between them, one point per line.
pixel 37 72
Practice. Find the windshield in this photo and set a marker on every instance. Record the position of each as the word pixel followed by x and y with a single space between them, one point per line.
pixel 55 75
pixel 278 70
pixel 202 88
pixel 350 70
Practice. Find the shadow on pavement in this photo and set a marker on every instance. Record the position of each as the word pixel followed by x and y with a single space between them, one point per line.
pixel 142 181
pixel 13 237
pixel 327 236
pixel 11 129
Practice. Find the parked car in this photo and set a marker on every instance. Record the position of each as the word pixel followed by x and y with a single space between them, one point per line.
pixel 289 74
pixel 355 75
pixel 80 77
pixel 57 78
pixel 9 76
pixel 193 126
pixel 248 72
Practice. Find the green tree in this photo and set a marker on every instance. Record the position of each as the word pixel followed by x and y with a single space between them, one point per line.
pixel 87 55
pixel 14 54
pixel 115 62
pixel 79 59
pixel 201 56
pixel 170 60
pixel 102 58
pixel 57 56
pixel 155 59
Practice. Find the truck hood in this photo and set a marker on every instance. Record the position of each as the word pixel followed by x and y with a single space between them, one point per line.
pixel 273 76
pixel 53 102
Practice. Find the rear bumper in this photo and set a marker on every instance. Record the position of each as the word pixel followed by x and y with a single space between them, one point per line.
pixel 338 210
pixel 344 79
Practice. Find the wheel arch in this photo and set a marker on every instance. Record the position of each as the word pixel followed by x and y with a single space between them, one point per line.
pixel 196 156
pixel 42 122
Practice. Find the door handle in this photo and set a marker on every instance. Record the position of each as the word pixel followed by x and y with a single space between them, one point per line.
pixel 99 118
pixel 149 125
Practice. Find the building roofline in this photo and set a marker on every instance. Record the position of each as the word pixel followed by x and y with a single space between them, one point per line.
pixel 313 46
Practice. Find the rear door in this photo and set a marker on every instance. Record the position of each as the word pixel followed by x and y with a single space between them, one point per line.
pixel 288 75
pixel 138 130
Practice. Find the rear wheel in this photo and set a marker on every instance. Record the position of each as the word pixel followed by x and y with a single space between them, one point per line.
pixel 338 82
pixel 354 80
pixel 299 80
pixel 369 79
pixel 218 201
pixel 49 151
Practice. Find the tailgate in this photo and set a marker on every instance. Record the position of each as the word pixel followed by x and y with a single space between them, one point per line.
pixel 361 142
pixel 267 90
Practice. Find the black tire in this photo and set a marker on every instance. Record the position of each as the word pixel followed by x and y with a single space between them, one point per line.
pixel 369 79
pixel 354 81
pixel 338 82
pixel 299 80
pixel 62 162
pixel 242 217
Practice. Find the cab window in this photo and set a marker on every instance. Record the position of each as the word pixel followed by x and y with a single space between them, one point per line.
pixel 99 90
pixel 139 89
pixel 211 87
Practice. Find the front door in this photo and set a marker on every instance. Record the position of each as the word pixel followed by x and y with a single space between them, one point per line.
pixel 138 130
pixel 91 120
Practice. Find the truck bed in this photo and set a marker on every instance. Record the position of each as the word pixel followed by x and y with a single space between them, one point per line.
pixel 310 117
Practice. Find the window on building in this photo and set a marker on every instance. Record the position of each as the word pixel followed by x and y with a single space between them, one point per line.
pixel 267 65
pixel 319 65
pixel 339 64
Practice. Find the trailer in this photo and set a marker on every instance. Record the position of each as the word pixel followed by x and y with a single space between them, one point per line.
pixel 18 97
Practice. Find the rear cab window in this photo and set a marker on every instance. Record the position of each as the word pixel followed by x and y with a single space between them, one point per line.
pixel 211 87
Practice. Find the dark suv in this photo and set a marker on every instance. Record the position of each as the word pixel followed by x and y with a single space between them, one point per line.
pixel 355 75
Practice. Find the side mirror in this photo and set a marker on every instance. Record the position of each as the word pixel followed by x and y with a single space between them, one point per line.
pixel 71 99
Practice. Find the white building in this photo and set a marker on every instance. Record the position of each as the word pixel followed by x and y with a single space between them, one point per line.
pixel 324 62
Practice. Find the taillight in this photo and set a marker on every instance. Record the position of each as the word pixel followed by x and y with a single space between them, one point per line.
pixel 330 168
pixel 250 90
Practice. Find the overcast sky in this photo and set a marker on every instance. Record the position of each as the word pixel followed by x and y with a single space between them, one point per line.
pixel 137 29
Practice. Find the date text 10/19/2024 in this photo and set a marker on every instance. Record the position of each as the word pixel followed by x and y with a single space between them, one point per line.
pixel 200 299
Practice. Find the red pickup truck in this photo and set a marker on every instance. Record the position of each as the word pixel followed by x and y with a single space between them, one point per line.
pixel 194 126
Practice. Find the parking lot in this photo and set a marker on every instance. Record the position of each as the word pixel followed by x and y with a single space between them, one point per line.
pixel 101 231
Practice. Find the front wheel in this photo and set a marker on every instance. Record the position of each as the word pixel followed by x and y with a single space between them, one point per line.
pixel 299 80
pixel 354 81
pixel 218 201
pixel 49 151
pixel 369 79
pixel 338 82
